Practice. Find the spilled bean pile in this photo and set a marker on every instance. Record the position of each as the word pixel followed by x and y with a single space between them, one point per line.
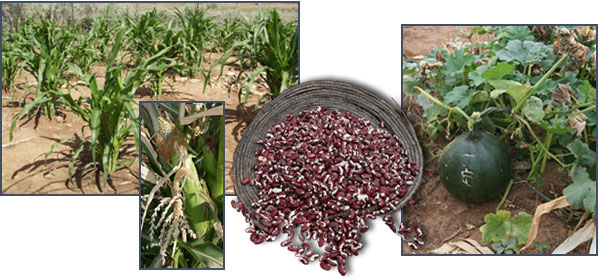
pixel 326 171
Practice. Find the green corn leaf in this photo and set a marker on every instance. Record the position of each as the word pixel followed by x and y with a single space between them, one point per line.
pixel 158 68
pixel 156 56
pixel 28 107
pixel 171 108
pixel 96 93
pixel 55 145
pixel 132 117
pixel 207 253
pixel 116 48
pixel 249 80
pixel 147 148
pixel 213 172
pixel 107 100
pixel 218 192
pixel 76 106
pixel 75 69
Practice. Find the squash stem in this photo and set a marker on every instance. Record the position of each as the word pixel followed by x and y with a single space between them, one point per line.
pixel 547 142
pixel 581 111
pixel 538 84
pixel 534 163
pixel 470 120
pixel 539 141
pixel 505 195
pixel 473 135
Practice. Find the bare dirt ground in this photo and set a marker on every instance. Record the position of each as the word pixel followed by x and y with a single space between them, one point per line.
pixel 420 40
pixel 26 171
pixel 445 219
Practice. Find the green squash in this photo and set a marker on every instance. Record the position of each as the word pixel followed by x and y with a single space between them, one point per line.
pixel 475 167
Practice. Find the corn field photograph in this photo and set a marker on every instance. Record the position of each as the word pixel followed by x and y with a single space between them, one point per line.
pixel 74 73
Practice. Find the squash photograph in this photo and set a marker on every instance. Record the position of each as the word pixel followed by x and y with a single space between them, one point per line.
pixel 506 117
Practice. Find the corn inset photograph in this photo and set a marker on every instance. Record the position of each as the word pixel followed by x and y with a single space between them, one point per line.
pixel 181 202
pixel 73 74
pixel 506 116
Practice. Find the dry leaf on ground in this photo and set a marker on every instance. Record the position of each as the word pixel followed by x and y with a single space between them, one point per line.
pixel 580 236
pixel 541 210
pixel 464 246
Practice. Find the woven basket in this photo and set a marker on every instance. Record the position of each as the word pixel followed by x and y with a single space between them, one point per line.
pixel 336 95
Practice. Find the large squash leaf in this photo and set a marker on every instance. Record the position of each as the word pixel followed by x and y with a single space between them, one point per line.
pixel 525 53
pixel 582 191
pixel 583 154
pixel 459 96
pixel 500 227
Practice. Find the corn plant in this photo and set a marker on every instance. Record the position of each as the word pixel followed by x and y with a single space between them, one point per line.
pixel 84 52
pixel 11 64
pixel 253 33
pixel 227 34
pixel 14 55
pixel 150 36
pixel 278 57
pixel 109 113
pixel 280 54
pixel 182 185
pixel 48 51
pixel 144 32
pixel 169 49
pixel 196 26
pixel 101 33
pixel 24 32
